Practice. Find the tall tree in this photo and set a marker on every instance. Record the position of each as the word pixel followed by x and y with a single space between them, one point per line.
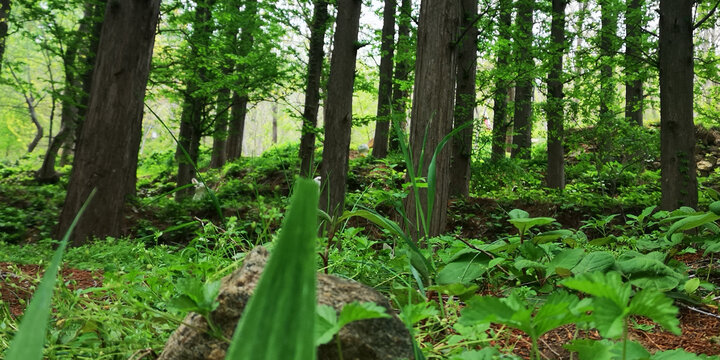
pixel 107 149
pixel 608 49
pixel 633 63
pixel 195 109
pixel 222 112
pixel 432 110
pixel 241 98
pixel 522 121
pixel 338 107
pixel 465 100
pixel 4 14
pixel 677 131
pixel 502 80
pixel 316 56
pixel 404 57
pixel 384 107
pixel 555 108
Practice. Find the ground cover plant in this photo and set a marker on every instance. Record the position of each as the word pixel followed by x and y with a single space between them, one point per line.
pixel 503 281
pixel 521 179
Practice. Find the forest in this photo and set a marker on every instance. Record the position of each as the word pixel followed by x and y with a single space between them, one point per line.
pixel 358 179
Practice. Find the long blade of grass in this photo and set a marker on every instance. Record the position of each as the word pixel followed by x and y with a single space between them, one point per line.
pixel 432 175
pixel 411 173
pixel 29 341
pixel 215 201
pixel 279 320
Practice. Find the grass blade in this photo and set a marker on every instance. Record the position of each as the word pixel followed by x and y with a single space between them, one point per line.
pixel 279 320
pixel 29 341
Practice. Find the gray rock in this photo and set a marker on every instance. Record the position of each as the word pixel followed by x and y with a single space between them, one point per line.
pixel 366 339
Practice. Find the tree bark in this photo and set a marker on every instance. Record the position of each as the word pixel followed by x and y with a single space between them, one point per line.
pixel 236 128
pixel 316 56
pixel 107 149
pixel 633 63
pixel 4 13
pixel 194 112
pixel 555 106
pixel 382 125
pixel 338 107
pixel 465 100
pixel 403 61
pixel 432 110
pixel 522 121
pixel 608 32
pixel 500 94
pixel 677 131
pixel 219 152
pixel 274 123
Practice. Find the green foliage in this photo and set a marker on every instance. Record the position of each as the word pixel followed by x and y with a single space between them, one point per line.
pixel 328 323
pixel 279 320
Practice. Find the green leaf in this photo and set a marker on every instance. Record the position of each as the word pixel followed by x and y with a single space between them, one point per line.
pixel 592 349
pixel 518 214
pixel 691 285
pixel 29 340
pixel 657 307
pixel 594 261
pixel 609 317
pixel 413 313
pixel 463 269
pixel 525 224
pixel 488 353
pixel 552 235
pixel 566 259
pixel 560 308
pixel 456 289
pixel 678 354
pixel 608 285
pixel 648 270
pixel 326 323
pixel 279 320
pixel 692 221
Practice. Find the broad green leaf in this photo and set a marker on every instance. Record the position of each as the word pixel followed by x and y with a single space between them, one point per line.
pixel 633 351
pixel 594 261
pixel 518 214
pixel 463 270
pixel 657 307
pixel 414 313
pixel 691 285
pixel 648 271
pixel 692 221
pixel 279 320
pixel 29 340
pixel 566 259
pixel 552 235
pixel 525 224
pixel 560 308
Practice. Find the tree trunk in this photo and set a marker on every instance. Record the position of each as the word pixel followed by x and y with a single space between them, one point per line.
pixel 274 123
pixel 238 112
pixel 316 56
pixel 555 108
pixel 608 32
pixel 382 126
pixel 4 13
pixel 633 62
pixel 500 94
pixel 240 100
pixel 432 110
pixel 338 107
pixel 522 121
pixel 194 112
pixel 677 131
pixel 106 156
pixel 218 157
pixel 465 99
pixel 403 60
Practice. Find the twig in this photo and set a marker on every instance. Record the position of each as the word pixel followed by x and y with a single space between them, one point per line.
pixel 699 311
pixel 484 252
